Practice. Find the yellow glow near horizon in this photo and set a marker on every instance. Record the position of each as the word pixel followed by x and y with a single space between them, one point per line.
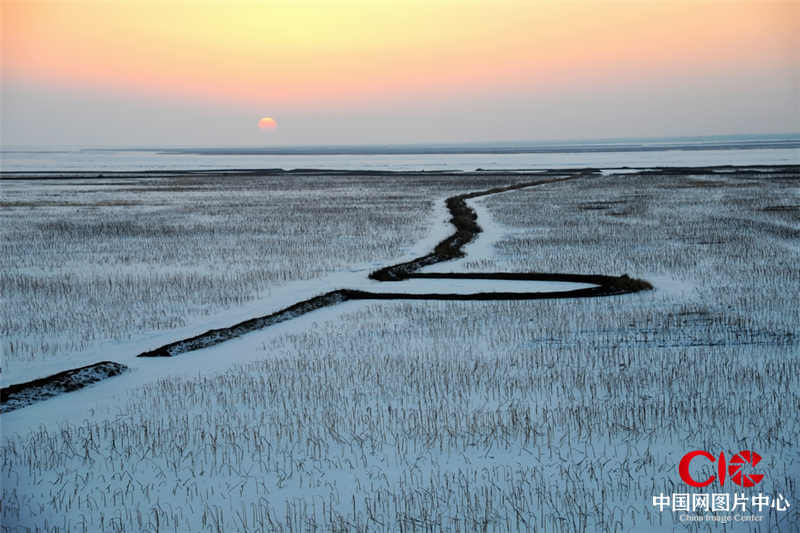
pixel 267 124
pixel 307 54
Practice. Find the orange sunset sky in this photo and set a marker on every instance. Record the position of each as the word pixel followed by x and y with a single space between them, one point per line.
pixel 193 72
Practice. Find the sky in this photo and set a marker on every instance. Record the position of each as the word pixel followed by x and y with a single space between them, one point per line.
pixel 364 72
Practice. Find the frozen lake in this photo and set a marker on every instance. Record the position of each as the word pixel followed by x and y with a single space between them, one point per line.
pixel 706 151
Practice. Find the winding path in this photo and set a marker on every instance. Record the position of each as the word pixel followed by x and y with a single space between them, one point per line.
pixel 463 219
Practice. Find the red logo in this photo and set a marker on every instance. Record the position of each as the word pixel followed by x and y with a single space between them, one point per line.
pixel 735 467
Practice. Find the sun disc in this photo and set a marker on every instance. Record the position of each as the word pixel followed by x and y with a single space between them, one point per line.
pixel 267 124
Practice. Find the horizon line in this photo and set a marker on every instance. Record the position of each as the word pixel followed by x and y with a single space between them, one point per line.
pixel 519 143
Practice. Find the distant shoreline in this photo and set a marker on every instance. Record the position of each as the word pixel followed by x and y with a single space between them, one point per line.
pixel 609 144
pixel 488 149
pixel 245 172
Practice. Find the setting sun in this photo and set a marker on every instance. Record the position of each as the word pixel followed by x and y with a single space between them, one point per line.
pixel 267 124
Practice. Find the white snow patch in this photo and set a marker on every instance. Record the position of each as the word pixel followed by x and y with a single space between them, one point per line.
pixel 475 286
pixel 612 171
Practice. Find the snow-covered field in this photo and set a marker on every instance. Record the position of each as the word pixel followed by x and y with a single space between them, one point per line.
pixel 97 266
pixel 553 415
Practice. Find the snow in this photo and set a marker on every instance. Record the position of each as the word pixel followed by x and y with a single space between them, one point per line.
pixel 95 398
pixel 473 286
pixel 292 292
pixel 102 400
pixel 274 300
pixel 304 413
pixel 612 171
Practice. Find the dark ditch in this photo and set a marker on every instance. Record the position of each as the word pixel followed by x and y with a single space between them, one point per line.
pixel 23 394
